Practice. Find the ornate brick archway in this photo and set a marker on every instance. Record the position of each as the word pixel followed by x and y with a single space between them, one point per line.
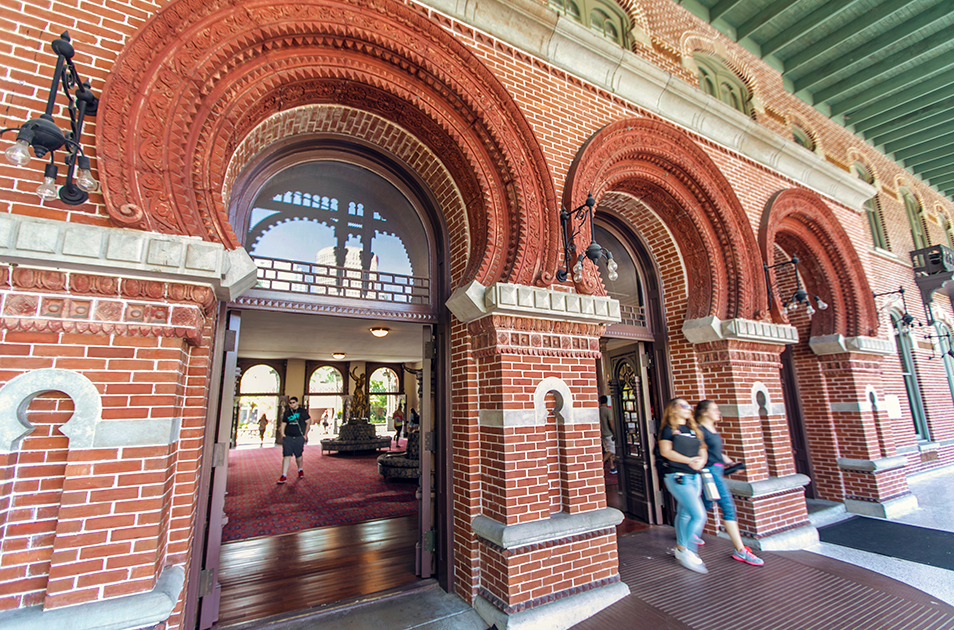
pixel 802 224
pixel 660 165
pixel 201 75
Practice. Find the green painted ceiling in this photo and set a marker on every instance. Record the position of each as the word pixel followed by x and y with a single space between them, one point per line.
pixel 882 68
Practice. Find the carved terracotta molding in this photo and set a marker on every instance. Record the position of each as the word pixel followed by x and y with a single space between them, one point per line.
pixel 504 334
pixel 804 226
pixel 202 75
pixel 51 301
pixel 738 353
pixel 662 166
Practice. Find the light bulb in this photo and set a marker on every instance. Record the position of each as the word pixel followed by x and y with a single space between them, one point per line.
pixel 810 311
pixel 47 190
pixel 18 153
pixel 612 275
pixel 84 178
pixel 611 265
pixel 821 304
pixel 578 277
pixel 577 269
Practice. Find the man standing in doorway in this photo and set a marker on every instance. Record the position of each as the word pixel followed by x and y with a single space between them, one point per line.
pixel 606 433
pixel 293 428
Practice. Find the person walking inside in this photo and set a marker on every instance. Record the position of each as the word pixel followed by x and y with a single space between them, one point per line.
pixel 262 427
pixel 707 414
pixel 607 435
pixel 684 454
pixel 293 428
pixel 398 418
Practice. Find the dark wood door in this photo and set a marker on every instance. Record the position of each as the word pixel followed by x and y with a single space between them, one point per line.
pixel 629 387
pixel 796 428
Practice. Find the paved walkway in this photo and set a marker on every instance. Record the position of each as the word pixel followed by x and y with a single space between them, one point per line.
pixel 935 493
pixel 824 588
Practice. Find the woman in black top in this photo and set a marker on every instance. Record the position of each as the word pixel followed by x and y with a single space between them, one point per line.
pixel 707 414
pixel 685 456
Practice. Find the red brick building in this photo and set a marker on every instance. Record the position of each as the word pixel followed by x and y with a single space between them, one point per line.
pixel 470 126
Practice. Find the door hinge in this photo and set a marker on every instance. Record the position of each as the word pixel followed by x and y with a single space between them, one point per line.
pixel 220 453
pixel 430 350
pixel 429 541
pixel 430 441
pixel 206 582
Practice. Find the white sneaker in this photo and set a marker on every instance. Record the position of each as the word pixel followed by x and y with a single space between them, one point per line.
pixel 691 561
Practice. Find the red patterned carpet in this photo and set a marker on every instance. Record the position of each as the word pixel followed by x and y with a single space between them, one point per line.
pixel 336 490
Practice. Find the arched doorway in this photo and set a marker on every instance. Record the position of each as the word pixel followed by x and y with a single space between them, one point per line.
pixel 636 367
pixel 346 241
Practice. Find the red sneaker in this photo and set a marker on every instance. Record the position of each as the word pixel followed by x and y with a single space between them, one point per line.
pixel 282 479
pixel 301 473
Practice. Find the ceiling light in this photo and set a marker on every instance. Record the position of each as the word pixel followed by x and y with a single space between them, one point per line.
pixel 380 332
pixel 338 355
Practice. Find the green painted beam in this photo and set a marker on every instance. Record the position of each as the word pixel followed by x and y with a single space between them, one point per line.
pixel 874 46
pixel 908 77
pixel 945 184
pixel 934 166
pixel 760 19
pixel 937 89
pixel 721 8
pixel 926 151
pixel 924 135
pixel 838 36
pixel 944 168
pixel 891 119
pixel 908 126
pixel 815 20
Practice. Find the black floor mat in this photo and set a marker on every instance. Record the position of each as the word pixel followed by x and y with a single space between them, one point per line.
pixel 898 540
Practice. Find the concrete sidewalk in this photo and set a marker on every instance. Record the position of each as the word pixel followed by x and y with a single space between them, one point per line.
pixel 935 493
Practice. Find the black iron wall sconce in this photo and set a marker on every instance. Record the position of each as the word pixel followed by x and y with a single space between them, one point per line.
pixel 44 136
pixel 906 320
pixel 594 250
pixel 800 296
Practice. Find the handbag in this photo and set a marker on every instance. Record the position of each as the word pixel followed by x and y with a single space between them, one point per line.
pixel 734 468
pixel 709 489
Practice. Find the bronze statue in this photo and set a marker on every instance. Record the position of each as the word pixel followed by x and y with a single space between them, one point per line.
pixel 359 401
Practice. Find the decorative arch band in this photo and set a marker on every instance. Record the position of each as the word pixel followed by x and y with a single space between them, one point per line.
pixel 200 76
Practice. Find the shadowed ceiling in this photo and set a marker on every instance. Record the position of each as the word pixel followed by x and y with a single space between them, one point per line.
pixel 882 68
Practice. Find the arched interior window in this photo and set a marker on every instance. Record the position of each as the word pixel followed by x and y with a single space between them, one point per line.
pixel 915 218
pixel 628 288
pixel 879 236
pixel 325 391
pixel 911 385
pixel 716 79
pixel 259 389
pixel 603 17
pixel 333 228
pixel 385 394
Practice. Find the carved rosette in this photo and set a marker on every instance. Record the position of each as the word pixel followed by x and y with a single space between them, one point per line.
pixel 52 301
pixel 662 166
pixel 804 226
pixel 505 334
pixel 201 75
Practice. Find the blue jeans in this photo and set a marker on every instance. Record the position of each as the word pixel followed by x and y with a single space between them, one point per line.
pixel 726 503
pixel 690 513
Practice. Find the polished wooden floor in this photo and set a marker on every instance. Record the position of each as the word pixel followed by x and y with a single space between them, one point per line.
pixel 263 577
pixel 269 576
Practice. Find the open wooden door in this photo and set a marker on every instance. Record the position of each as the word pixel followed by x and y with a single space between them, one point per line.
pixel 630 387
pixel 427 541
pixel 209 589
